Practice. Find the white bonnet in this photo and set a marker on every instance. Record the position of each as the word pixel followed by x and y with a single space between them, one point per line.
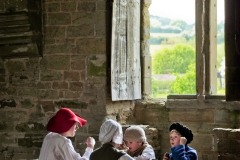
pixel 111 130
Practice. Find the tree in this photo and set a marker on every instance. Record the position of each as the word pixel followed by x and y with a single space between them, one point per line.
pixel 180 23
pixel 173 60
pixel 185 84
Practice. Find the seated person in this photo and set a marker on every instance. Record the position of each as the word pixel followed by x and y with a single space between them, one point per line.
pixel 180 137
pixel 137 144
pixel 111 137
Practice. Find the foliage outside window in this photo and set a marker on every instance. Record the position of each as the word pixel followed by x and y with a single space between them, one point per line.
pixel 173 50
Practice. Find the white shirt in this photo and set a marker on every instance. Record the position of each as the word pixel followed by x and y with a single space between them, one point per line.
pixel 147 154
pixel 58 147
pixel 126 157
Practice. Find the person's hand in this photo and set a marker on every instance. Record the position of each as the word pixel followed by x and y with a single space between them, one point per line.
pixel 183 140
pixel 90 142
pixel 166 156
pixel 123 147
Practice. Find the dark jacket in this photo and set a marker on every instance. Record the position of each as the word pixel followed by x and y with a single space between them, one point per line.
pixel 106 152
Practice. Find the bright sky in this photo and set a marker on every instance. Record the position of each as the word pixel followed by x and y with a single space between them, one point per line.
pixel 180 9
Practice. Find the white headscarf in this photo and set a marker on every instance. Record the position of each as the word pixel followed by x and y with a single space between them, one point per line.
pixel 111 131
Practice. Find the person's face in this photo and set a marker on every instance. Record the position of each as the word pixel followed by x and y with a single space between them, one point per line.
pixel 174 138
pixel 133 145
pixel 72 131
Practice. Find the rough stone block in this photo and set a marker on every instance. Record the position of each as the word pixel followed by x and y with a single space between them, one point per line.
pixel 80 31
pixel 76 86
pixel 15 66
pixel 68 6
pixel 60 85
pixel 58 19
pixel 87 6
pixel 53 7
pixel 55 31
pixel 58 62
pixel 192 115
pixel 48 94
pixel 71 76
pixel 51 75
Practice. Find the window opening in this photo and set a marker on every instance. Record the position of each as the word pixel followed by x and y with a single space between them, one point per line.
pixel 172 47
pixel 220 48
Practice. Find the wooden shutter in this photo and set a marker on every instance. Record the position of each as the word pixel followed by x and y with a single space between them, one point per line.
pixel 21 30
pixel 232 49
pixel 125 50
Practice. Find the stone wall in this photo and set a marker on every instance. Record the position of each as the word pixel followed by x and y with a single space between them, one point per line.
pixel 226 143
pixel 74 72
pixel 71 72
pixel 200 116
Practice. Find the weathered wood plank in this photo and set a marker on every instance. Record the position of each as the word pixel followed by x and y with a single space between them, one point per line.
pixel 18 37
pixel 30 50
pixel 13 20
pixel 232 44
pixel 125 56
pixel 14 29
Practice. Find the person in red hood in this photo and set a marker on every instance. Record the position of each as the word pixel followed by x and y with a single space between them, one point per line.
pixel 56 144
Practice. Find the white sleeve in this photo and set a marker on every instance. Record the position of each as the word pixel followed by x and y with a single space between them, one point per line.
pixel 71 154
pixel 148 153
pixel 87 153
pixel 126 157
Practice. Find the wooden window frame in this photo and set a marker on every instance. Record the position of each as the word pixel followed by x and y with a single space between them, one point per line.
pixel 206 52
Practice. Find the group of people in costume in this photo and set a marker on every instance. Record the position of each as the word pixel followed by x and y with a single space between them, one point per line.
pixel 116 145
